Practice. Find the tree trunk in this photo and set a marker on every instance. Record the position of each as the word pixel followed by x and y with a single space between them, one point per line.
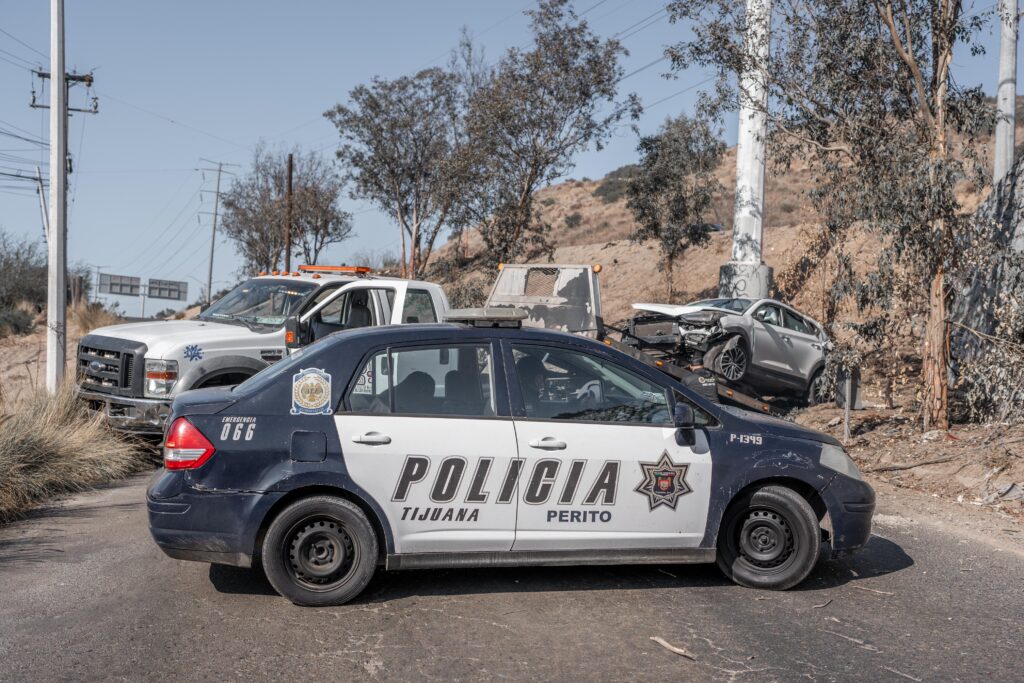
pixel 936 354
pixel 671 280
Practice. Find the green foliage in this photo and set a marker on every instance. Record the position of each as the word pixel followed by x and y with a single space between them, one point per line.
pixel 255 209
pixel 526 124
pixel 574 220
pixel 861 90
pixel 400 142
pixel 613 186
pixel 23 264
pixel 674 187
pixel 15 321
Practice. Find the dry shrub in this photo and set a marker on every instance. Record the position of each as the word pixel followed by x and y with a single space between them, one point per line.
pixel 53 445
pixel 91 316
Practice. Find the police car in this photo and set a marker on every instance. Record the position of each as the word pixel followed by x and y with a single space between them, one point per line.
pixel 480 443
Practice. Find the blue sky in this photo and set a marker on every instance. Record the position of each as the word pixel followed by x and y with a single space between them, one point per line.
pixel 181 81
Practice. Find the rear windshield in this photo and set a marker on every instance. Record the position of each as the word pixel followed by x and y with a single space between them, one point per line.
pixel 737 305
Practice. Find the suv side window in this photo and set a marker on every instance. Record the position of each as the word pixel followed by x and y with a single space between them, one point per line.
pixel 770 315
pixel 791 321
pixel 447 380
pixel 562 384
pixel 419 307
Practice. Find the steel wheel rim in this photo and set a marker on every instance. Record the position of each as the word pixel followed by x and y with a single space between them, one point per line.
pixel 320 554
pixel 733 363
pixel 765 540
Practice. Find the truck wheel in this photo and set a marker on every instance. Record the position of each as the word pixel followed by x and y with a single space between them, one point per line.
pixel 733 363
pixel 769 539
pixel 320 551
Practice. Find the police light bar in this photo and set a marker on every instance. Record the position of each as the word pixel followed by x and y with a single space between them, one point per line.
pixel 358 270
pixel 487 317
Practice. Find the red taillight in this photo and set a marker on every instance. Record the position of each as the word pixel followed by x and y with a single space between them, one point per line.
pixel 186 448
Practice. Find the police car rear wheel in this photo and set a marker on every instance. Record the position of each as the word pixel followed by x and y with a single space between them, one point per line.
pixel 320 551
pixel 769 539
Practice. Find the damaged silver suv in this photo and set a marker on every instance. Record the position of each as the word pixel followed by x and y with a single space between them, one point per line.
pixel 760 343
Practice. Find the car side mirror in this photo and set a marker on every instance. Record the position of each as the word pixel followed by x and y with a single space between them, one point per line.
pixel 292 333
pixel 684 416
pixel 204 306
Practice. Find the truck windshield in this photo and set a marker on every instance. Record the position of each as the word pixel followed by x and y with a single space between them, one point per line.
pixel 260 302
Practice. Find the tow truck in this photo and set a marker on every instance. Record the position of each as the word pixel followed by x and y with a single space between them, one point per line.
pixel 567 297
pixel 132 372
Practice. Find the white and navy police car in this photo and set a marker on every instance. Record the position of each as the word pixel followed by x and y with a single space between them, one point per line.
pixel 482 444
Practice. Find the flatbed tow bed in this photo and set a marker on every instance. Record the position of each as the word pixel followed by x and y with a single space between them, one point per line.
pixel 725 392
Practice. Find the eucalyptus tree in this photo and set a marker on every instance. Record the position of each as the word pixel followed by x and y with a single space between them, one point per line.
pixel 862 90
pixel 673 189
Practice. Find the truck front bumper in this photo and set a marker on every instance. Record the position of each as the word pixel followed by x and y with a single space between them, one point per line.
pixel 136 415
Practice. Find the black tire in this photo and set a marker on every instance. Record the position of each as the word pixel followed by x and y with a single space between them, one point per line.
pixel 769 539
pixel 815 390
pixel 320 551
pixel 733 364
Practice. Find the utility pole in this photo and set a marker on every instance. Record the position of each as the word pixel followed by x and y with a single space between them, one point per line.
pixel 746 275
pixel 42 205
pixel 56 224
pixel 288 219
pixel 56 292
pixel 213 236
pixel 1006 91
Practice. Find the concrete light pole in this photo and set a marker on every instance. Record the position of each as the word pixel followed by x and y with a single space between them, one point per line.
pixel 56 292
pixel 1006 90
pixel 746 275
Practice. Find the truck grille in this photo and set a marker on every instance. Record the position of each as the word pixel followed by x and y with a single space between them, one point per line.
pixel 108 365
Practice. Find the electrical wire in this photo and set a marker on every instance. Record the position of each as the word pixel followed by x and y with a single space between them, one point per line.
pixel 23 43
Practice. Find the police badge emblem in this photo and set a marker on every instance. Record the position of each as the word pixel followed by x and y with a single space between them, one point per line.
pixel 311 392
pixel 663 482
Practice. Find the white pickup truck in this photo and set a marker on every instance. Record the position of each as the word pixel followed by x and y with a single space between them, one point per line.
pixel 132 372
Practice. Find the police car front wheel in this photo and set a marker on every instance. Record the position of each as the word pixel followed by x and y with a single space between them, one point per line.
pixel 769 539
pixel 320 551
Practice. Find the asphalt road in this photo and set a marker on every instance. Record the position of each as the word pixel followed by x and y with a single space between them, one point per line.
pixel 85 595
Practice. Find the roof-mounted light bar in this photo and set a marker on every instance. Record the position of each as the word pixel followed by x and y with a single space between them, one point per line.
pixel 357 270
pixel 487 317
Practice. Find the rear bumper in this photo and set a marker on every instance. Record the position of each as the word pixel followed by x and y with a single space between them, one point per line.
pixel 138 415
pixel 851 505
pixel 205 526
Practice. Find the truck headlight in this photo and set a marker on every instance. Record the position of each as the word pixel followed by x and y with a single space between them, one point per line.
pixel 835 458
pixel 160 377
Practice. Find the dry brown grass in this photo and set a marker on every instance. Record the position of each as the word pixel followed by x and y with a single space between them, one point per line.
pixel 53 446
pixel 90 316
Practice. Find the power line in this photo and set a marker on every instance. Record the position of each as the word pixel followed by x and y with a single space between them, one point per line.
pixel 634 25
pixel 680 92
pixel 643 68
pixel 169 120
pixel 24 44
pixel 20 59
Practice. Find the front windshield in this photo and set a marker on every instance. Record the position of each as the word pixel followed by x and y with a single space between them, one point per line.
pixel 737 305
pixel 261 302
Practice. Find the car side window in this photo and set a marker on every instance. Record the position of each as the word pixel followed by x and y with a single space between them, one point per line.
pixel 770 315
pixel 791 321
pixel 419 308
pixel 561 384
pixel 448 380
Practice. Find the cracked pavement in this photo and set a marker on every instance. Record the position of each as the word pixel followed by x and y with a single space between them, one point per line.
pixel 86 595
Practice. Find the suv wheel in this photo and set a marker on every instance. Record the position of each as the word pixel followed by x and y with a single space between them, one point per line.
pixel 769 539
pixel 816 389
pixel 320 551
pixel 733 363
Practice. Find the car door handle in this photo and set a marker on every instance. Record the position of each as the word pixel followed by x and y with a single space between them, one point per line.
pixel 372 439
pixel 548 443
